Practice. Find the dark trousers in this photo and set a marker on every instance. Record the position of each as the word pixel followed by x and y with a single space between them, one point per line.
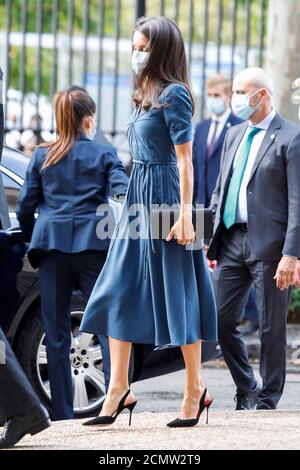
pixel 234 275
pixel 58 273
pixel 251 312
pixel 17 397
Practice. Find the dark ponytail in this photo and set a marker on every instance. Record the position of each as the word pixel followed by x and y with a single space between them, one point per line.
pixel 71 106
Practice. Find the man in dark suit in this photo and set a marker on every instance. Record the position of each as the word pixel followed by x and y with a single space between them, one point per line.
pixel 207 147
pixel 256 235
pixel 18 403
pixel 209 137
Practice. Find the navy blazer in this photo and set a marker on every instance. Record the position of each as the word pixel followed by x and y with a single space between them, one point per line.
pixel 67 196
pixel 206 169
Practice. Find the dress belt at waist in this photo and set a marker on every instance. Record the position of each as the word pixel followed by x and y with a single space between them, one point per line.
pixel 148 163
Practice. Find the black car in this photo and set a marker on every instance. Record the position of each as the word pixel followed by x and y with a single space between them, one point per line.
pixel 24 327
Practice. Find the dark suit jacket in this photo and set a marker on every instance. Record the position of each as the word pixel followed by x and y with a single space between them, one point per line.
pixel 206 170
pixel 273 192
pixel 67 196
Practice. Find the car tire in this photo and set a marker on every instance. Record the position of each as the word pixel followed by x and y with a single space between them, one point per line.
pixel 27 347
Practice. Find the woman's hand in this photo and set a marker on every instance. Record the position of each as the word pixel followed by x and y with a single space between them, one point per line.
pixel 183 231
pixel 183 228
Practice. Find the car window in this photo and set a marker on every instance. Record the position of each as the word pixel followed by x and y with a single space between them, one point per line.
pixel 12 190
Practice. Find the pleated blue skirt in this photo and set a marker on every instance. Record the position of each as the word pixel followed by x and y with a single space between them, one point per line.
pixel 152 291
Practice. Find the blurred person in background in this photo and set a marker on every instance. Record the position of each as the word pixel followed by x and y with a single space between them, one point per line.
pixel 34 135
pixel 209 137
pixel 12 134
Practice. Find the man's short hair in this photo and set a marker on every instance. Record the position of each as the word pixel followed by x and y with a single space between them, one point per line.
pixel 219 79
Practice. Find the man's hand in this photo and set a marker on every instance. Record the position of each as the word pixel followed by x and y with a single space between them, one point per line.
pixel 287 272
pixel 297 283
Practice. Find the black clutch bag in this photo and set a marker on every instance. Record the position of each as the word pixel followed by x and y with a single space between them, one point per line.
pixel 162 221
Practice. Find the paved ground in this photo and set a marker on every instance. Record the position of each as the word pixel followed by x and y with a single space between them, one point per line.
pixel 165 393
pixel 159 402
pixel 226 430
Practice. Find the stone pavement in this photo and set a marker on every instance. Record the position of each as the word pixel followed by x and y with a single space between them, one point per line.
pixel 159 401
pixel 292 339
pixel 226 430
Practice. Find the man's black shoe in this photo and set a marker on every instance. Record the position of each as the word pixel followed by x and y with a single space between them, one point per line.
pixel 242 402
pixel 18 426
pixel 247 401
pixel 261 406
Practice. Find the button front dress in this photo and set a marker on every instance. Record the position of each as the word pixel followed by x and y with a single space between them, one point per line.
pixel 150 290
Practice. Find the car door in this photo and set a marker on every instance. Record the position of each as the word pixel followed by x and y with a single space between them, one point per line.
pixel 4 217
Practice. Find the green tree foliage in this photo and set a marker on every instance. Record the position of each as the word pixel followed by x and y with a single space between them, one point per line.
pixel 127 15
pixel 126 23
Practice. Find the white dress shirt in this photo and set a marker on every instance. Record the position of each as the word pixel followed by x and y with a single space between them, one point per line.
pixel 222 119
pixel 242 211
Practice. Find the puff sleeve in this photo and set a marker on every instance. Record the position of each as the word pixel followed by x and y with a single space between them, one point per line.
pixel 178 113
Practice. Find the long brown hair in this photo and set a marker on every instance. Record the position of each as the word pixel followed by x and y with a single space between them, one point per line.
pixel 71 106
pixel 166 64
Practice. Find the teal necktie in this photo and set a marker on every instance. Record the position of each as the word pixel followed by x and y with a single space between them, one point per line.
pixel 229 215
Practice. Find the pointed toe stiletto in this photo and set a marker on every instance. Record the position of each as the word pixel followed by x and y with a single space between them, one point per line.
pixel 205 402
pixel 106 420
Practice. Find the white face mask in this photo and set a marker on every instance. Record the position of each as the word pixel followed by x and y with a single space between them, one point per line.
pixel 215 105
pixel 93 132
pixel 138 60
pixel 241 107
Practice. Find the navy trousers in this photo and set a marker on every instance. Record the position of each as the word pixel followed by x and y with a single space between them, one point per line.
pixel 58 273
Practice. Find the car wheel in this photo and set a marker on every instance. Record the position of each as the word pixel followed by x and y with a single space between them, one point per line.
pixel 85 359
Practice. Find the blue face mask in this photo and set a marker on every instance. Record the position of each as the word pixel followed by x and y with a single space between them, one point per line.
pixel 215 105
pixel 241 107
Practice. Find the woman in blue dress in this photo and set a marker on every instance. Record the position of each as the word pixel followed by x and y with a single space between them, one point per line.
pixel 151 290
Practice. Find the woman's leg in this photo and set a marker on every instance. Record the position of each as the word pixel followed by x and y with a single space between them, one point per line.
pixel 119 383
pixel 194 386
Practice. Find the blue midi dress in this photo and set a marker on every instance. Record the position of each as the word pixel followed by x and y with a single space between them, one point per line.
pixel 151 290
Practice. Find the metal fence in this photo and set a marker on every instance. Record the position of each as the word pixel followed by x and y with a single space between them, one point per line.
pixel 49 44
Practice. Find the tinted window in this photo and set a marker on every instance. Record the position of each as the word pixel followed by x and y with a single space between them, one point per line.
pixel 12 190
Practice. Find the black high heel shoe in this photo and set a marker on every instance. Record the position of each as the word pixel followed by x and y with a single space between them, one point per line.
pixel 205 402
pixel 105 420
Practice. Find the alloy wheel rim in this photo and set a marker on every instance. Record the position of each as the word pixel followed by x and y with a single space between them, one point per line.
pixel 86 369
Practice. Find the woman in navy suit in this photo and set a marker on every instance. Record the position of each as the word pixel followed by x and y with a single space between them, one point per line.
pixel 66 182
